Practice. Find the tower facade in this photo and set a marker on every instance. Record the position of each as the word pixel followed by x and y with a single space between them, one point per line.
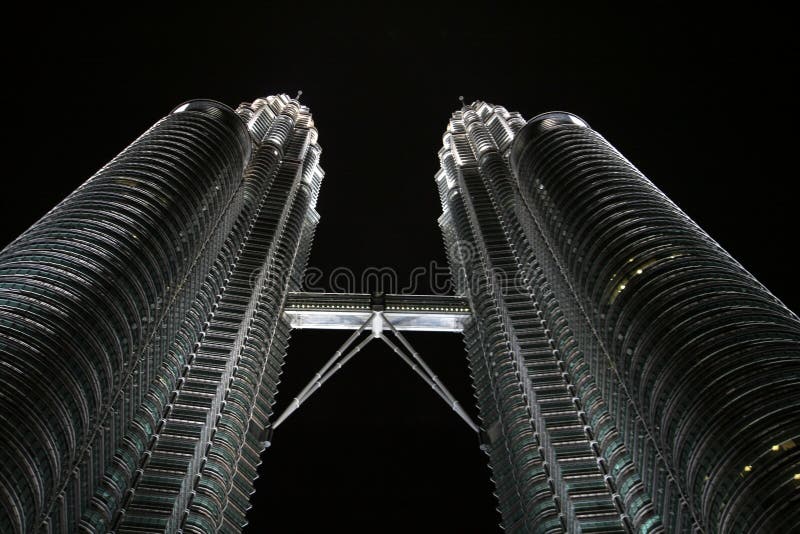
pixel 630 375
pixel 142 330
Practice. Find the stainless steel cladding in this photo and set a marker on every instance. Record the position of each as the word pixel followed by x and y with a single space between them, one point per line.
pixel 630 375
pixel 697 364
pixel 140 321
pixel 546 452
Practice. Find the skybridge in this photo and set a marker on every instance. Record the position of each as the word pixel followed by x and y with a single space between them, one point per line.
pixel 377 315
pixel 348 311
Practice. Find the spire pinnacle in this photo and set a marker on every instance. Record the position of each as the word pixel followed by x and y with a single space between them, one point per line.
pixel 299 94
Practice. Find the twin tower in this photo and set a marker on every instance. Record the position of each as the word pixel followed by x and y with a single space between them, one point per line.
pixel 630 375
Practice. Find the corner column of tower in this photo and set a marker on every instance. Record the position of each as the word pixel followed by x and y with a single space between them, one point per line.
pixel 697 362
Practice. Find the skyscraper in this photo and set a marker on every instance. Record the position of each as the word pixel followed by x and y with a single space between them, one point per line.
pixel 630 375
pixel 141 325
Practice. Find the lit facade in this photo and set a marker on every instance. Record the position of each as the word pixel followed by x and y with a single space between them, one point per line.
pixel 142 329
pixel 631 376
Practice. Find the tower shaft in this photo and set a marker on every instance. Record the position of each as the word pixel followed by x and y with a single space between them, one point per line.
pixel 152 300
pixel 630 375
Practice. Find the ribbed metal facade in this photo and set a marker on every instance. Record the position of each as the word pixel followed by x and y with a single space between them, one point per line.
pixel 141 325
pixel 544 449
pixel 630 375
pixel 698 363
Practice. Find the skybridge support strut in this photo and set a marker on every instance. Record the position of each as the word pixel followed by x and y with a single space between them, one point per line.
pixel 378 324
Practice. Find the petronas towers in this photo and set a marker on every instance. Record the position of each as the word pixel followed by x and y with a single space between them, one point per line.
pixel 630 375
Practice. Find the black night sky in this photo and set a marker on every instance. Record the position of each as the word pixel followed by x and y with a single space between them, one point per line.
pixel 703 103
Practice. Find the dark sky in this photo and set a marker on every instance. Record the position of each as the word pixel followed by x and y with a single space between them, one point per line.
pixel 704 103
